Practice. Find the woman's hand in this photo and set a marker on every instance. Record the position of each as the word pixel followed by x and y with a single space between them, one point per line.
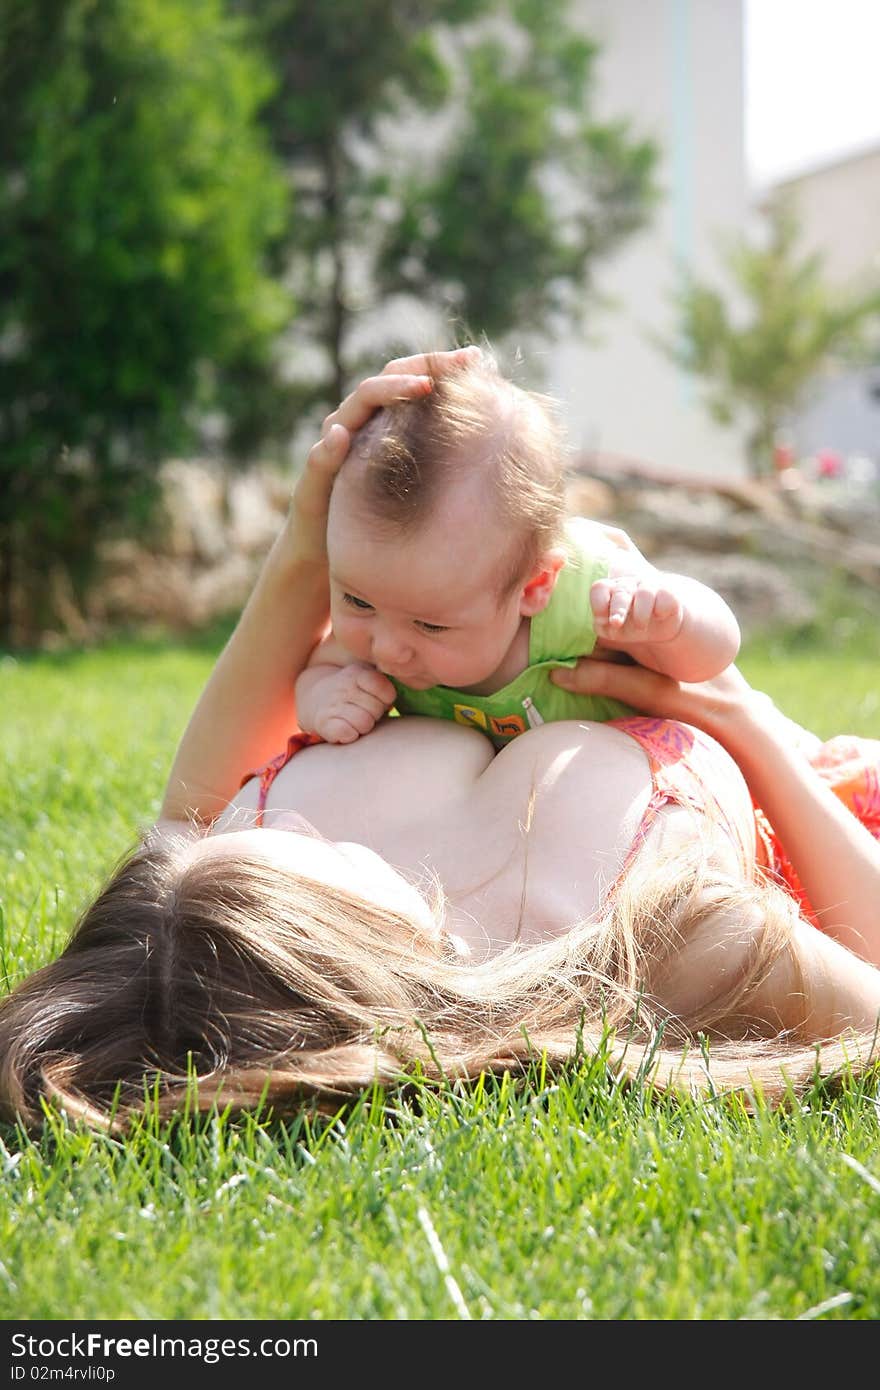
pixel 726 706
pixel 712 705
pixel 406 378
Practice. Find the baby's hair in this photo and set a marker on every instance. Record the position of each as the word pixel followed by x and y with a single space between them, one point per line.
pixel 405 459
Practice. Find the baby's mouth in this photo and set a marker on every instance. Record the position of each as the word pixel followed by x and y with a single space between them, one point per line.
pixel 418 682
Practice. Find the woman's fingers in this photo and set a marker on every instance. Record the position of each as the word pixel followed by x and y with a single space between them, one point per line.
pixel 311 495
pixel 704 703
pixel 372 394
pixel 404 378
pixel 645 690
pixel 422 362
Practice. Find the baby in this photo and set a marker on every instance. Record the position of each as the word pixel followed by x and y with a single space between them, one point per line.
pixel 457 584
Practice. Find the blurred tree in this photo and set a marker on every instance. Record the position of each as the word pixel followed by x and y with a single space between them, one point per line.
pixel 138 199
pixel 783 326
pixel 444 149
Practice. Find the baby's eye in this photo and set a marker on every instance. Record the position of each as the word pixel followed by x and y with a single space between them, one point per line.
pixel 431 627
pixel 353 602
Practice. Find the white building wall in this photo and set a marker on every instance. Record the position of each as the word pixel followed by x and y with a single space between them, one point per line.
pixel 675 69
pixel 838 209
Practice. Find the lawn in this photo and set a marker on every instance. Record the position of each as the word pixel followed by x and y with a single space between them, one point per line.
pixel 563 1198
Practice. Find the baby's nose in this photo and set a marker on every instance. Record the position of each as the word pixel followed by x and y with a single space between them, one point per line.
pixel 391 648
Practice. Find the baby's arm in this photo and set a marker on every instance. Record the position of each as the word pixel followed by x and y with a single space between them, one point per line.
pixel 339 698
pixel 668 622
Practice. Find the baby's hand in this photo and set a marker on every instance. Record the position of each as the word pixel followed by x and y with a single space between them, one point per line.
pixel 629 609
pixel 350 702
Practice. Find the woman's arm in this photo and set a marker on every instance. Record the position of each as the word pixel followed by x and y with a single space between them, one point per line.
pixel 835 857
pixel 815 989
pixel 246 710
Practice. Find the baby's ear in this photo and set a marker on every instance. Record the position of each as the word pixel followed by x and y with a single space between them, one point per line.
pixel 538 588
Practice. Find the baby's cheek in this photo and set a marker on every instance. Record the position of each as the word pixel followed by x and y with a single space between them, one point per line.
pixel 451 668
pixel 458 666
pixel 352 635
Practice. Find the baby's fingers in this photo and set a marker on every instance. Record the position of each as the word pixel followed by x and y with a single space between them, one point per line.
pixel 600 596
pixel 643 608
pixel 657 614
pixel 611 602
pixel 377 686
pixel 336 729
pixel 361 714
pixel 667 605
pixel 362 700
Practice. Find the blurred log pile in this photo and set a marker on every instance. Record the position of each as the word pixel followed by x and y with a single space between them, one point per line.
pixel 771 549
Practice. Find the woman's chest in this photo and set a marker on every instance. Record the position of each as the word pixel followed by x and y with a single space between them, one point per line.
pixel 542 837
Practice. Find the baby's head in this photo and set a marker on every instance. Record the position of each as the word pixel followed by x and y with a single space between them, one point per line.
pixel 445 527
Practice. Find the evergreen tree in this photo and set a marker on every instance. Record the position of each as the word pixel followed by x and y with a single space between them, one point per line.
pixel 443 149
pixel 760 352
pixel 138 199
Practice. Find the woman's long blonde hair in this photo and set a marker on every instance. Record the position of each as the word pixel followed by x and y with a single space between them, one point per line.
pixel 199 985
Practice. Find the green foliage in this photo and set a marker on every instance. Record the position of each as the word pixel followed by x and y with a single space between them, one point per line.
pixel 341 70
pixel 496 212
pixel 137 202
pixel 505 230
pixel 760 353
pixel 146 227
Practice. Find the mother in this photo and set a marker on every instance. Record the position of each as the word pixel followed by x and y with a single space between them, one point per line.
pixel 413 896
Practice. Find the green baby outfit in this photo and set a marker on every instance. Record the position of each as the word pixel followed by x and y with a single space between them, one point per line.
pixel 558 635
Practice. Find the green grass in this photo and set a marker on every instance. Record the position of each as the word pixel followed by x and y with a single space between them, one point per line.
pixel 558 1199
pixel 826 675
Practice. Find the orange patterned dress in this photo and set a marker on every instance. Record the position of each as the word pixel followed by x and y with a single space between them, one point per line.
pixel 850 766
